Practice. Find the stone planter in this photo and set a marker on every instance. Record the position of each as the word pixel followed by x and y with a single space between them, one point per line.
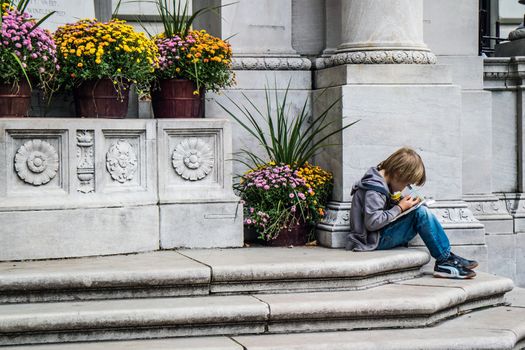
pixel 174 98
pixel 15 99
pixel 100 99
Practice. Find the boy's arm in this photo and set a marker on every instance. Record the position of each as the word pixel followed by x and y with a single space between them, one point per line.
pixel 376 217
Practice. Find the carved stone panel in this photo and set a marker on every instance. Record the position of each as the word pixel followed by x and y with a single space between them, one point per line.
pixel 86 161
pixel 121 161
pixel 36 162
pixel 123 155
pixel 193 159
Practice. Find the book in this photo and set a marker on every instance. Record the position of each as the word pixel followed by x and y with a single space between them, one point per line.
pixel 423 202
pixel 410 191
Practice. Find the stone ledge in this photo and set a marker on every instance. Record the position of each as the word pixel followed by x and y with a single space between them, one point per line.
pixel 483 330
pixel 156 274
pixel 306 268
pixel 205 343
pixel 201 272
pixel 383 74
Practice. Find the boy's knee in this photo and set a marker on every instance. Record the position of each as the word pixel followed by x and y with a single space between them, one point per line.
pixel 422 211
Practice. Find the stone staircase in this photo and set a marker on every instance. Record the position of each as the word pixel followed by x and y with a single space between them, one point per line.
pixel 253 298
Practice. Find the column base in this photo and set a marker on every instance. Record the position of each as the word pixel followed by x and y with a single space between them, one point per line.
pixel 335 226
pixel 380 57
pixel 465 232
pixel 491 212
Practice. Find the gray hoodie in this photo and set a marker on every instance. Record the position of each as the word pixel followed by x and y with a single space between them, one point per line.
pixel 372 209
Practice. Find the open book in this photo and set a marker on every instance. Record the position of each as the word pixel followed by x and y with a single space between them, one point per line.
pixel 424 201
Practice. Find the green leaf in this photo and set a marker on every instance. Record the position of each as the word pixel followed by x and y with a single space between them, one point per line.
pixel 286 138
pixel 23 69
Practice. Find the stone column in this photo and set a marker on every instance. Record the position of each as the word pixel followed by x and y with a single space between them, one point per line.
pixel 260 33
pixel 378 31
pixel 385 76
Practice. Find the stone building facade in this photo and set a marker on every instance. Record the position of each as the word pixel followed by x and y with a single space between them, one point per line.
pixel 408 70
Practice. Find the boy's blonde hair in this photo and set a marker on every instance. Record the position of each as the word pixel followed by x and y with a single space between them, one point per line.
pixel 405 165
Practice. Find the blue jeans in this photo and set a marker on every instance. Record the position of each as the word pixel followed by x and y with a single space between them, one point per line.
pixel 421 221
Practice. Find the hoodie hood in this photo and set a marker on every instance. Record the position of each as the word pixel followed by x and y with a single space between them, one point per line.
pixel 372 180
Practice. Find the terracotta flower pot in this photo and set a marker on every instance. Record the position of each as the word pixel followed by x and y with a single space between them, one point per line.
pixel 15 99
pixel 296 235
pixel 100 99
pixel 175 98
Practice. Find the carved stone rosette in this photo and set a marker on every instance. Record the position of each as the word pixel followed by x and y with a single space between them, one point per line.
pixel 121 161
pixel 86 161
pixel 36 162
pixel 192 159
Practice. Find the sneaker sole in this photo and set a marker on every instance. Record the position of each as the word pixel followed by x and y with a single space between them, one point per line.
pixel 446 275
pixel 472 266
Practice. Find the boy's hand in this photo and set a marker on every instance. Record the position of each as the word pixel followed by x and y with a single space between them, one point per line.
pixel 408 202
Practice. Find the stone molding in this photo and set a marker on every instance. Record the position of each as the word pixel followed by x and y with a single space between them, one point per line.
pixel 36 162
pixel 488 207
pixel 504 68
pixel 337 217
pixel 515 203
pixel 271 63
pixel 333 228
pixel 455 215
pixel 377 57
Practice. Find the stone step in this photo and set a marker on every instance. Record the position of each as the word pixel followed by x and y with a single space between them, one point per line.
pixel 203 272
pixel 415 303
pixel 499 328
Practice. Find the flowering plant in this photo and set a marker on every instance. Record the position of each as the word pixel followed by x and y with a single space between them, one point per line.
pixel 198 56
pixel 25 48
pixel 289 141
pixel 89 49
pixel 277 197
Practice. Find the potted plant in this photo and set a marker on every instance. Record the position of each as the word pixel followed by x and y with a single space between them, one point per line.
pixel 284 196
pixel 28 56
pixel 191 63
pixel 100 61
pixel 282 203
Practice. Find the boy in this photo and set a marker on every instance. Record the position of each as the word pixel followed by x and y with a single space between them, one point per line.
pixel 374 209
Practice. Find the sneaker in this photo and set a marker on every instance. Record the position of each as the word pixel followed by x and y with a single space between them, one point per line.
pixel 452 268
pixel 469 264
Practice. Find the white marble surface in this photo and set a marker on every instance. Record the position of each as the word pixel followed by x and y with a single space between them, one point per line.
pixel 450 27
pixel 267 20
pixel 66 11
pixel 376 25
pixel 476 124
pixel 424 116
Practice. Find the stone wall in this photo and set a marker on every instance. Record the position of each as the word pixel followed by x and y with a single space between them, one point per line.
pixel 77 187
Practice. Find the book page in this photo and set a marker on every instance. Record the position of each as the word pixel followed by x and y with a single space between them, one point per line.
pixel 409 210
